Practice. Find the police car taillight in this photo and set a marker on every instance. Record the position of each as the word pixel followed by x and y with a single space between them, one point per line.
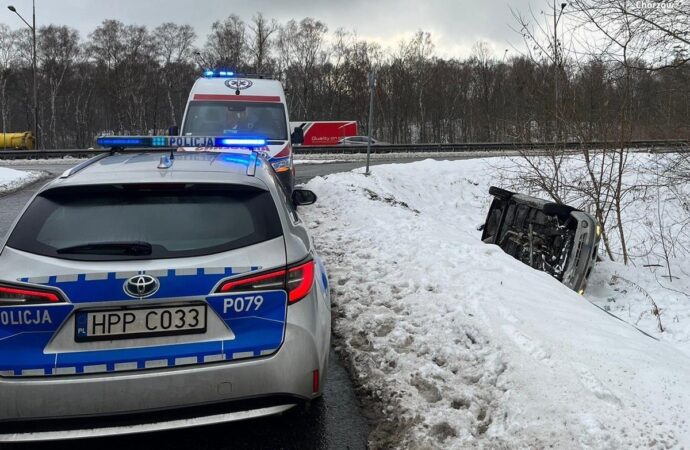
pixel 300 279
pixel 297 280
pixel 263 282
pixel 16 295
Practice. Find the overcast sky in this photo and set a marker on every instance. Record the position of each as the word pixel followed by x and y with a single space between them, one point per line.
pixel 455 25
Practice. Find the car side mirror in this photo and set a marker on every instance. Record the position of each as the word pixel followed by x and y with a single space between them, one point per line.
pixel 302 197
pixel 297 136
pixel 174 130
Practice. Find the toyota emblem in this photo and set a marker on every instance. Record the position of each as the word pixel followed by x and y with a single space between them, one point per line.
pixel 141 286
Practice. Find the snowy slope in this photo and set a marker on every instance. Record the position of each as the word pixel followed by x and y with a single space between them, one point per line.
pixel 642 293
pixel 11 180
pixel 462 346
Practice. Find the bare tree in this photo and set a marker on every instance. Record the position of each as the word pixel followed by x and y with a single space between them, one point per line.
pixel 8 55
pixel 260 41
pixel 657 31
pixel 175 45
pixel 226 46
pixel 302 54
pixel 59 47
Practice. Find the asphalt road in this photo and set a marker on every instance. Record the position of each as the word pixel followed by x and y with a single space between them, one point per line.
pixel 336 422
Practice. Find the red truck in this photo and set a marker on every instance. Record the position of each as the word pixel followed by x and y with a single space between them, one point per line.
pixel 325 132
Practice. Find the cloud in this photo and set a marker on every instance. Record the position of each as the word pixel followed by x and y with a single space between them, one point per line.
pixel 455 25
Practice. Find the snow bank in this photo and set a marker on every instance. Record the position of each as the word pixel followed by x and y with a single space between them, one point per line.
pixel 12 180
pixel 460 345
pixel 652 292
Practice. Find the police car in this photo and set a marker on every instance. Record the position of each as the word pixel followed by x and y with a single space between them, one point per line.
pixel 225 103
pixel 159 289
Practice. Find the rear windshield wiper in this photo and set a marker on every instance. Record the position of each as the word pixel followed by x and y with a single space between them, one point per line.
pixel 134 248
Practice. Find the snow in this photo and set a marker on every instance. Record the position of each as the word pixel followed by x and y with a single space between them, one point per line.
pixel 461 346
pixel 67 160
pixel 637 291
pixel 12 180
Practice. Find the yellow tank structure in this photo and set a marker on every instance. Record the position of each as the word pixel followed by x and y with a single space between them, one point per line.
pixel 17 141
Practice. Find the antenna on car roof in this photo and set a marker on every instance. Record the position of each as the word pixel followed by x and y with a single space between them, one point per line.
pixel 199 56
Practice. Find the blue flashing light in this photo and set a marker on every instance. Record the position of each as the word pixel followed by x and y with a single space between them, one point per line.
pixel 235 159
pixel 242 142
pixel 159 141
pixel 121 141
pixel 218 73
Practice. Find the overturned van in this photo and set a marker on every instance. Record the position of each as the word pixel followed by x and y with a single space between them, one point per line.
pixel 554 238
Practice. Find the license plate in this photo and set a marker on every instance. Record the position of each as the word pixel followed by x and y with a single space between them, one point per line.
pixel 140 322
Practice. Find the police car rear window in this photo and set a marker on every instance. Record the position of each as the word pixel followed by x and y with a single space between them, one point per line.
pixel 145 221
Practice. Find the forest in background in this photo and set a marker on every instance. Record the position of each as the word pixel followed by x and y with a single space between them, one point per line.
pixel 609 71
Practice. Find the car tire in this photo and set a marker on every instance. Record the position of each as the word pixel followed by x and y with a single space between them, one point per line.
pixel 497 192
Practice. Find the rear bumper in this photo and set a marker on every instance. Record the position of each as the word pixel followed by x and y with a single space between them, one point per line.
pixel 142 423
pixel 289 372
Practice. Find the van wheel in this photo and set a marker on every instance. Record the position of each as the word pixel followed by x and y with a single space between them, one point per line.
pixel 497 192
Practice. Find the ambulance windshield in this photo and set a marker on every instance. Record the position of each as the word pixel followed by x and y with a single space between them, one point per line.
pixel 223 118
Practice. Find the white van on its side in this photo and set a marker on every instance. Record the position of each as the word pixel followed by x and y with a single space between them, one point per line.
pixel 223 103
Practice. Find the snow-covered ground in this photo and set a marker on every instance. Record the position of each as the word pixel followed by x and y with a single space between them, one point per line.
pixel 67 160
pixel 653 291
pixel 12 180
pixel 461 346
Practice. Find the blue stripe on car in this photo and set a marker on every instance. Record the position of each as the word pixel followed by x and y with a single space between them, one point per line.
pixel 90 288
pixel 257 331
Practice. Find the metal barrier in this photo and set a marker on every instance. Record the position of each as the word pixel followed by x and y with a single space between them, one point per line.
pixel 487 146
pixel 654 145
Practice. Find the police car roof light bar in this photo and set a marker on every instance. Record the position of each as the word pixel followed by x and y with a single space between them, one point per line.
pixel 164 142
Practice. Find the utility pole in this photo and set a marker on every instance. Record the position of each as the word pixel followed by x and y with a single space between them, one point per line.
pixel 33 32
pixel 372 88
pixel 33 29
pixel 556 19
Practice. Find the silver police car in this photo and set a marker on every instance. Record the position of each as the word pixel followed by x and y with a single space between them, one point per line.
pixel 153 290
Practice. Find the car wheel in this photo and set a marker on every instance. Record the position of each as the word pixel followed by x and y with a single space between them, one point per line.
pixel 497 192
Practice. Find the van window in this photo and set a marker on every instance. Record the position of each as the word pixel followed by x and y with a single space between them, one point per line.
pixel 222 118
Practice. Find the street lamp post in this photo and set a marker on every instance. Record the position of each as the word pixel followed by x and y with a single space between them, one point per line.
pixel 33 31
pixel 372 88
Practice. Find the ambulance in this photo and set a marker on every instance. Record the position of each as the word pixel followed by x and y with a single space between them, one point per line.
pixel 243 106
